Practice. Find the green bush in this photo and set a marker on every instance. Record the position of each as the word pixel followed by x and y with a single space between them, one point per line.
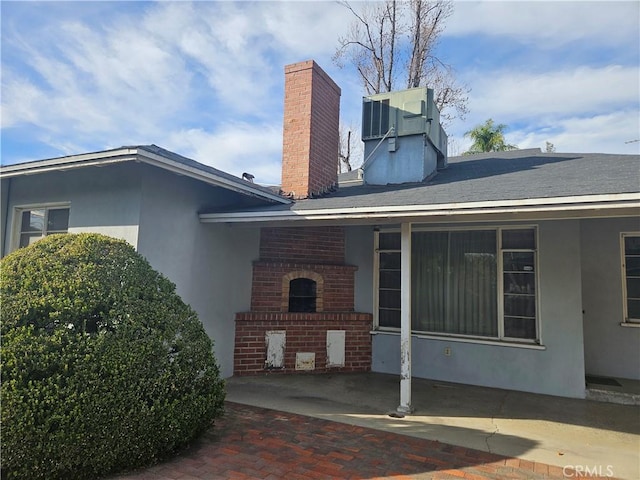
pixel 104 367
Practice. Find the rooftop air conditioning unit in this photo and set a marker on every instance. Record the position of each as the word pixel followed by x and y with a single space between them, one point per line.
pixel 402 135
pixel 408 112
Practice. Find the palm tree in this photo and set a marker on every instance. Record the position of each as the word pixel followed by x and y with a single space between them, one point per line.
pixel 488 137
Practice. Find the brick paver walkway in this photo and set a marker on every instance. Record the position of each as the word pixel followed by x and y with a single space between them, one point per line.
pixel 257 443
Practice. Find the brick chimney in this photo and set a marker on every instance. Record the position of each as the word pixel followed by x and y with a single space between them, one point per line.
pixel 311 131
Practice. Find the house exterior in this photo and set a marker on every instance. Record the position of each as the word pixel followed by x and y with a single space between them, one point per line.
pixel 151 198
pixel 516 270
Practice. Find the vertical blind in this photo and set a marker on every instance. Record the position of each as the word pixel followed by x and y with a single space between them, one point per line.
pixel 454 278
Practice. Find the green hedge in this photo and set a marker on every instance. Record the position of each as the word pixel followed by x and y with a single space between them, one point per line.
pixel 104 367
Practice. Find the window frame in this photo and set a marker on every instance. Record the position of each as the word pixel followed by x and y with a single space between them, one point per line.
pixel 18 210
pixel 626 321
pixel 501 338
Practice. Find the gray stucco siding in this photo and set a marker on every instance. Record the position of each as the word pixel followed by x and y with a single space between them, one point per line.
pixel 211 265
pixel 610 349
pixel 102 200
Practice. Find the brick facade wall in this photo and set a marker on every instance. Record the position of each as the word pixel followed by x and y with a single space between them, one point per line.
pixel 305 332
pixel 318 245
pixel 310 130
pixel 269 292
pixel 310 252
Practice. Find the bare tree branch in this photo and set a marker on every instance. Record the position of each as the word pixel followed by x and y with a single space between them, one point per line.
pixel 394 38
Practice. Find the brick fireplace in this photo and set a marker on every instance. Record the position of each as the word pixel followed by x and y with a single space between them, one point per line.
pixel 302 297
pixel 327 335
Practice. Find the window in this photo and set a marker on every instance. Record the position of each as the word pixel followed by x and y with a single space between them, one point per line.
pixel 36 223
pixel 519 283
pixel 631 277
pixel 477 283
pixel 389 280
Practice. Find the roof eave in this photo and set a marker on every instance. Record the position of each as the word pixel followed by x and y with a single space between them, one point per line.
pixel 629 202
pixel 70 162
pixel 181 169
pixel 138 154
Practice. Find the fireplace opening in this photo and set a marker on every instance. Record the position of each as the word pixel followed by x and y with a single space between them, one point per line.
pixel 302 295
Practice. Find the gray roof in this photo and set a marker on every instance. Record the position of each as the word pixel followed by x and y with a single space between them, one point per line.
pixel 151 154
pixel 500 176
pixel 205 168
pixel 353 177
pixel 514 176
pixel 490 177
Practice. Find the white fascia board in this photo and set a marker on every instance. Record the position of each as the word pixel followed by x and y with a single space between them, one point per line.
pixel 541 205
pixel 68 163
pixel 182 169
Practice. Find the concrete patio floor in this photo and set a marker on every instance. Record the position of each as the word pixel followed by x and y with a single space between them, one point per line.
pixel 558 431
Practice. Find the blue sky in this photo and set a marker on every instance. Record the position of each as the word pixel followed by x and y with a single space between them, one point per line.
pixel 205 79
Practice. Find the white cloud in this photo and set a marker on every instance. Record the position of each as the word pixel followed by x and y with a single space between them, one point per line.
pixel 593 105
pixel 582 109
pixel 96 81
pixel 190 68
pixel 607 133
pixel 510 95
pixel 235 147
pixel 311 31
pixel 549 24
pixel 23 106
pixel 134 81
pixel 225 43
pixel 205 79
